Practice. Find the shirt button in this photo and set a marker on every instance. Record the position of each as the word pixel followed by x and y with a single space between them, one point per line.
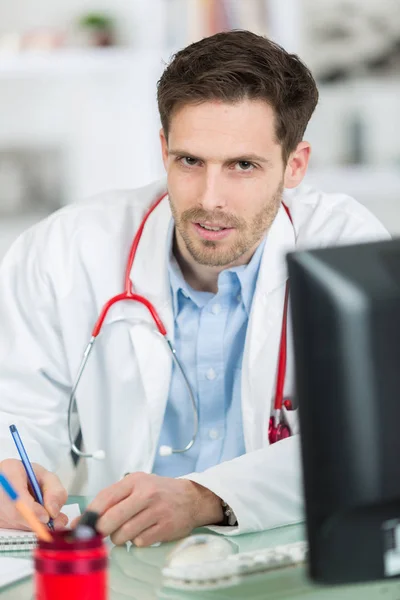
pixel 216 309
pixel 239 297
pixel 211 374
pixel 213 434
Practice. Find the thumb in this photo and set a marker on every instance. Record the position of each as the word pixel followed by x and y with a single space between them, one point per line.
pixel 54 493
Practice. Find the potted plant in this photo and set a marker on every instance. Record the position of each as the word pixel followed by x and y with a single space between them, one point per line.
pixel 99 29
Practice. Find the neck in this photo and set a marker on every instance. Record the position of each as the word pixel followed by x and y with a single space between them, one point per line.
pixel 202 278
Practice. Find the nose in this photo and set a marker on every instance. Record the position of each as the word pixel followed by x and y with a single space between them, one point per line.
pixel 213 194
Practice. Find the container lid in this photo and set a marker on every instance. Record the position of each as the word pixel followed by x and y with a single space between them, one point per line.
pixel 65 540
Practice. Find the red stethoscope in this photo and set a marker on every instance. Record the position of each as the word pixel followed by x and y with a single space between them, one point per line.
pixel 277 430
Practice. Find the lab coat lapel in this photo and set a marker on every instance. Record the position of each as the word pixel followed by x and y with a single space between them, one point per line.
pixel 263 334
pixel 150 279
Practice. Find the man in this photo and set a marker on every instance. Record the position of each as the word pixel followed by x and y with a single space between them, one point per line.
pixel 234 108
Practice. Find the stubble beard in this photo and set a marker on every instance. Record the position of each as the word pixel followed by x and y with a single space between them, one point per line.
pixel 247 236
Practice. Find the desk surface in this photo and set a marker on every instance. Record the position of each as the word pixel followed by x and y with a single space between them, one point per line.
pixel 136 574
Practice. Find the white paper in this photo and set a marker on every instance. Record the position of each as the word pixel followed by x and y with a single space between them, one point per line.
pixel 14 569
pixel 72 511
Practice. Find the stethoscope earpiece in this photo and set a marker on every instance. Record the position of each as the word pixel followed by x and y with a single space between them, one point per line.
pixel 99 455
pixel 165 451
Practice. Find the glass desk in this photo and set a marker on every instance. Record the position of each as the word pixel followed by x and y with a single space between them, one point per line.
pixel 136 575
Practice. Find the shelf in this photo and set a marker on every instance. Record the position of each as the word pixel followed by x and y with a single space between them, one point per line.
pixel 77 61
pixel 365 179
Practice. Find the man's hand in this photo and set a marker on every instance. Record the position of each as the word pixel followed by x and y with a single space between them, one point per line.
pixel 146 509
pixel 54 496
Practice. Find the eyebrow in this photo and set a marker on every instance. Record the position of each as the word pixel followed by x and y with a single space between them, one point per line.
pixel 244 157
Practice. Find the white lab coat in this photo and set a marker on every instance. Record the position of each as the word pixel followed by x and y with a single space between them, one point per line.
pixel 53 283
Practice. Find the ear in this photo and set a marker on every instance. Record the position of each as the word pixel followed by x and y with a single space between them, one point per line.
pixel 297 165
pixel 164 148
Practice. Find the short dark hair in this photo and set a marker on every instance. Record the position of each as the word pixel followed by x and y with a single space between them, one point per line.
pixel 237 65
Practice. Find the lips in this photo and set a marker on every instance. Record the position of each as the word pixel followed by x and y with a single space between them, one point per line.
pixel 211 227
pixel 209 231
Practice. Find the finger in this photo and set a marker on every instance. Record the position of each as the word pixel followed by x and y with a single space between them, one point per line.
pixel 152 535
pixel 16 473
pixel 54 493
pixel 12 518
pixel 111 495
pixel 120 513
pixel 61 521
pixel 134 527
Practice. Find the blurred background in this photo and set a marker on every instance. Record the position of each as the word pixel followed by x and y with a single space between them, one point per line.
pixel 78 80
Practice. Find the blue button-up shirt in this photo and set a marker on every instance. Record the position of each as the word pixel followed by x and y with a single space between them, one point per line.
pixel 210 331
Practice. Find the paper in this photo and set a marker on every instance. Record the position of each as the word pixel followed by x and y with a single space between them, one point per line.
pixel 14 569
pixel 71 510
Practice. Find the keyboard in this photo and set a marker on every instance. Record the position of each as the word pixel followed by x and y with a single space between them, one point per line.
pixel 231 570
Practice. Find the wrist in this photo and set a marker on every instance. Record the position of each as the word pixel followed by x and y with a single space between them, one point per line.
pixel 207 507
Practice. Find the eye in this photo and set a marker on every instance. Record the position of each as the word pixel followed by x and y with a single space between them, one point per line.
pixel 188 161
pixel 245 165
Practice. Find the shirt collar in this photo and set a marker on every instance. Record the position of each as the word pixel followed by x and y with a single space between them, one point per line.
pixel 246 274
pixel 176 279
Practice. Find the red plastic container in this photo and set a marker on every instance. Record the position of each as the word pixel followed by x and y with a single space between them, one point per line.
pixel 67 569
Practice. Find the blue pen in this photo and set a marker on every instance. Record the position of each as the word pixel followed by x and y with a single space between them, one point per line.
pixel 29 470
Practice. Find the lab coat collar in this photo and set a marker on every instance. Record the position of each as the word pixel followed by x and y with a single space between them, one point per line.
pixel 149 273
pixel 149 276
pixel 280 240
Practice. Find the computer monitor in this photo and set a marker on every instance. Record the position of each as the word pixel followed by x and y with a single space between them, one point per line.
pixel 345 304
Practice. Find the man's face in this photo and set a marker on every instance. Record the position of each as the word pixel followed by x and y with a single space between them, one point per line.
pixel 225 179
